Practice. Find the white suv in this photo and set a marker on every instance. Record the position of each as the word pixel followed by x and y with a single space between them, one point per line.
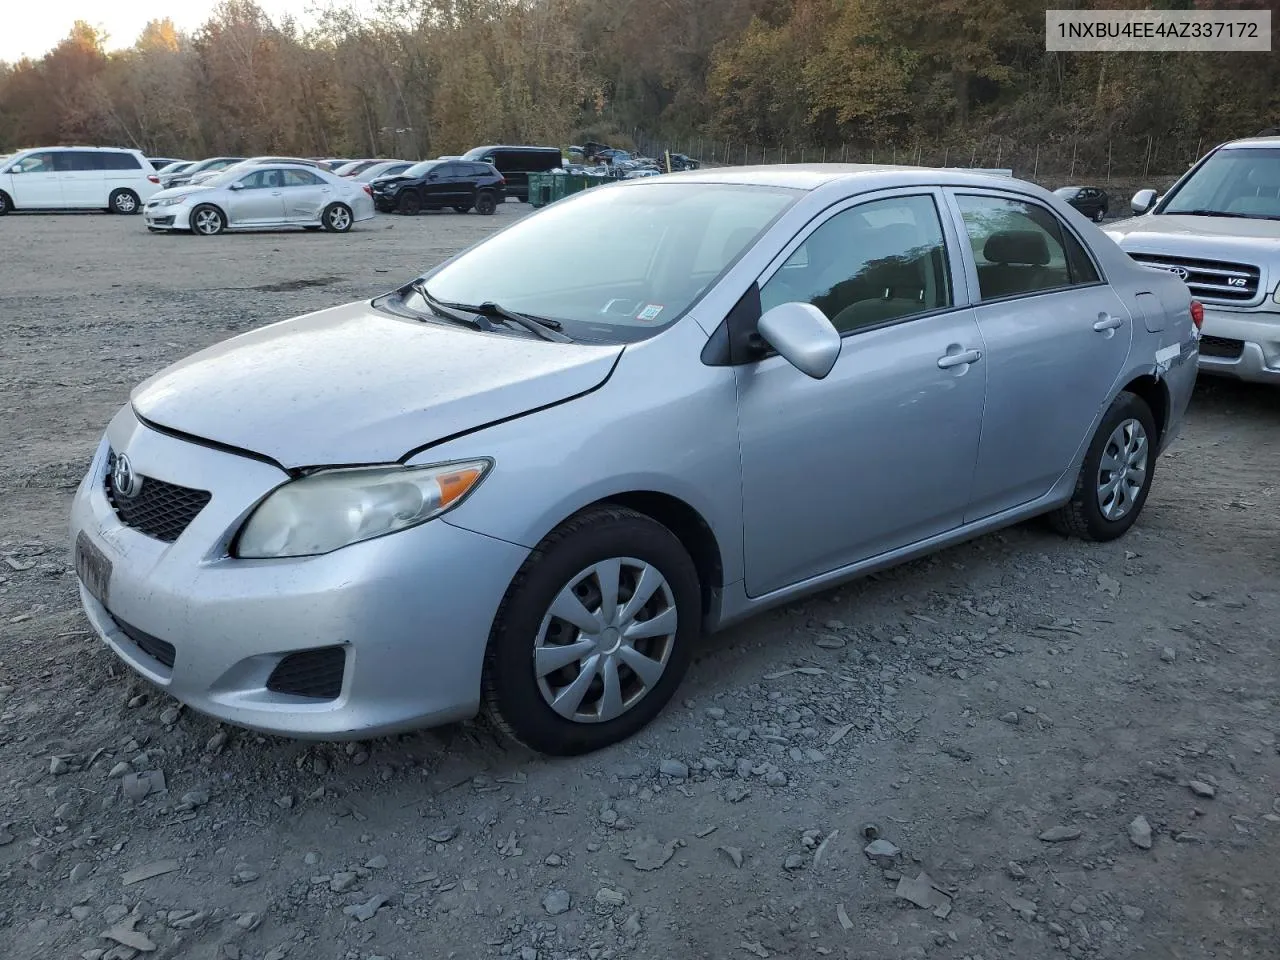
pixel 76 178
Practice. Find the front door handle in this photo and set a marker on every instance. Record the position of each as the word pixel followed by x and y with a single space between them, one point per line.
pixel 275 193
pixel 1106 322
pixel 948 360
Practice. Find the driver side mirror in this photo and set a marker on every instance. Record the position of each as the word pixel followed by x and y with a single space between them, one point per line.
pixel 235 186
pixel 1142 201
pixel 803 336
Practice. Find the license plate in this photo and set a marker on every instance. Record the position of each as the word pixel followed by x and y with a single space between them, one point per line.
pixel 93 568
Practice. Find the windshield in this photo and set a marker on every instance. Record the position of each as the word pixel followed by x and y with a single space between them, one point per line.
pixel 615 263
pixel 1240 182
pixel 418 169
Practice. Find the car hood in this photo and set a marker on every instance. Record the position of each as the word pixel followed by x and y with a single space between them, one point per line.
pixel 354 385
pixel 1228 238
pixel 182 190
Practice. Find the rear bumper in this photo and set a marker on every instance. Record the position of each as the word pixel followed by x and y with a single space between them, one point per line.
pixel 1243 345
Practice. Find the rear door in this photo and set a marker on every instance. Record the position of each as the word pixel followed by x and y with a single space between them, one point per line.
pixel 81 174
pixel 305 195
pixel 1057 337
pixel 123 170
pixel 35 183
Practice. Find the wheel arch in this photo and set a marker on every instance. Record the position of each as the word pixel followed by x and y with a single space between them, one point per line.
pixel 226 220
pixel 686 524
pixel 1155 393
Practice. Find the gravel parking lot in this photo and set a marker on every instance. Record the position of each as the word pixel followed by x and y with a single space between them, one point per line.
pixel 1078 746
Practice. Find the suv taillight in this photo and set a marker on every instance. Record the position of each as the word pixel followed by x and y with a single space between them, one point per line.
pixel 1197 313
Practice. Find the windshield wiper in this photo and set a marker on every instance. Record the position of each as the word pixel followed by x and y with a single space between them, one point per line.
pixel 544 327
pixel 1220 213
pixel 446 310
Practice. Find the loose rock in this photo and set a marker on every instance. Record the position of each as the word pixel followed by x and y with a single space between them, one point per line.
pixel 675 769
pixel 365 911
pixel 557 902
pixel 1202 789
pixel 1140 832
pixel 1060 834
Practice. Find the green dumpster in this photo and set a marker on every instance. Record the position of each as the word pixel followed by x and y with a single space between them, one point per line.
pixel 545 188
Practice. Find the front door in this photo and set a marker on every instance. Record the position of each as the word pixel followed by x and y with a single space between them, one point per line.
pixel 36 183
pixel 259 201
pixel 880 453
pixel 1057 338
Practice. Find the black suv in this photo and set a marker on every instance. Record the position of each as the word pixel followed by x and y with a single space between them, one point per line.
pixel 436 184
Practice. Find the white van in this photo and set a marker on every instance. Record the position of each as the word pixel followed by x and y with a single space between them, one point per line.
pixel 76 178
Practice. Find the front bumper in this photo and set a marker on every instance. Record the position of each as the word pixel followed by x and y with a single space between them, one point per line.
pixel 1241 344
pixel 411 611
pixel 174 217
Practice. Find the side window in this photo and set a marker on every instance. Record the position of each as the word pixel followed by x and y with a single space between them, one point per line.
pixel 79 161
pixel 120 161
pixel 300 178
pixel 35 163
pixel 1021 248
pixel 883 260
pixel 261 180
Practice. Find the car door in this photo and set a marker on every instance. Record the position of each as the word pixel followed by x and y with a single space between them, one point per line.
pixel 80 172
pixel 36 183
pixel 879 454
pixel 1057 337
pixel 305 196
pixel 256 199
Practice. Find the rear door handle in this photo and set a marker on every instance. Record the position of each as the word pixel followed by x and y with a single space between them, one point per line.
pixel 949 360
pixel 1106 322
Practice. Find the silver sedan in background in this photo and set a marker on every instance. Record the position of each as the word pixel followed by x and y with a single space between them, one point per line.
pixel 527 481
pixel 260 197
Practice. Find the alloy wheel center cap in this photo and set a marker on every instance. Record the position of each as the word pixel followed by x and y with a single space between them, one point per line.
pixel 610 639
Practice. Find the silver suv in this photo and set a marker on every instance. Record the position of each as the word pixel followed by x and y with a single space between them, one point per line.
pixel 1218 228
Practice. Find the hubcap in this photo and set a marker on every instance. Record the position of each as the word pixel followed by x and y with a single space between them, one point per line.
pixel 124 202
pixel 606 640
pixel 339 219
pixel 207 221
pixel 1122 472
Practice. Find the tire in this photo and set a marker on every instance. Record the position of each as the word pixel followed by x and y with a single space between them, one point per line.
pixel 6 204
pixel 462 208
pixel 337 218
pixel 409 203
pixel 486 204
pixel 627 545
pixel 124 202
pixel 207 220
pixel 1092 515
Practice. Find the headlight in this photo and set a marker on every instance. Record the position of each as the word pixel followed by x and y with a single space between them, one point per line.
pixel 1276 296
pixel 336 508
pixel 170 201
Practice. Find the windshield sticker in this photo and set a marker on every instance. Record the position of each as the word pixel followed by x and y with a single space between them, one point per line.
pixel 650 312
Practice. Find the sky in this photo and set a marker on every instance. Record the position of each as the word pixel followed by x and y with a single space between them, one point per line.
pixel 31 29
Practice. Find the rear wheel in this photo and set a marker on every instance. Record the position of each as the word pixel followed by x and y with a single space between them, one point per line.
pixel 336 218
pixel 1116 475
pixel 5 203
pixel 207 220
pixel 124 201
pixel 409 204
pixel 594 634
pixel 486 204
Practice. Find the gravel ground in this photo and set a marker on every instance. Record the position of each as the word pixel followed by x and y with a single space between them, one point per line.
pixel 1060 748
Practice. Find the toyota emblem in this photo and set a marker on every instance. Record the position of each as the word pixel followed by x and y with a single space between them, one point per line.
pixel 124 481
pixel 1180 272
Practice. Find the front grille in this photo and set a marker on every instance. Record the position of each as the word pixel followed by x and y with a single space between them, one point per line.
pixel 159 509
pixel 153 647
pixel 310 673
pixel 1210 279
pixel 1221 347
pixel 160 221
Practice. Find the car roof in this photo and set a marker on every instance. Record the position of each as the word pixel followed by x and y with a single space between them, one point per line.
pixel 514 146
pixel 76 146
pixel 811 176
pixel 1254 142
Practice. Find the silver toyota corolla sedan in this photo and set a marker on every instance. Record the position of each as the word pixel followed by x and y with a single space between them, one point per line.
pixel 527 482
pixel 261 197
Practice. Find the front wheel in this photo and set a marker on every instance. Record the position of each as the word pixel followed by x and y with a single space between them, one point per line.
pixel 207 221
pixel 123 201
pixel 1116 475
pixel 594 633
pixel 5 203
pixel 337 218
pixel 486 205
pixel 409 204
